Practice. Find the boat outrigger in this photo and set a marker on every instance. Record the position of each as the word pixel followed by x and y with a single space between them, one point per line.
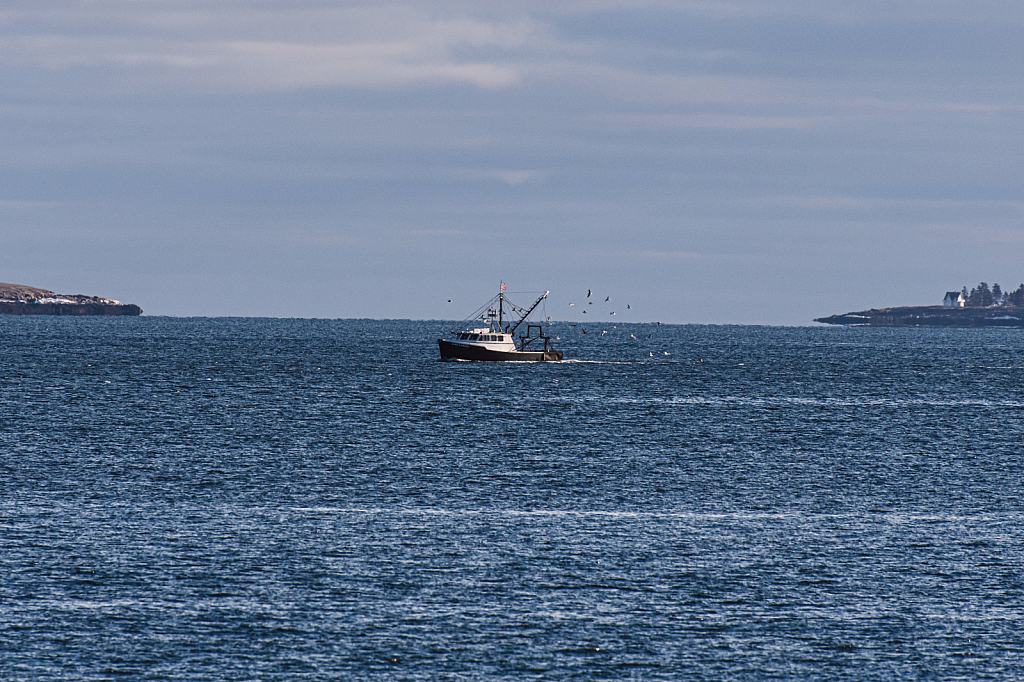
pixel 497 341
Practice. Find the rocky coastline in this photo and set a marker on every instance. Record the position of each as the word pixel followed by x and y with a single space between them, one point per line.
pixel 932 316
pixel 18 299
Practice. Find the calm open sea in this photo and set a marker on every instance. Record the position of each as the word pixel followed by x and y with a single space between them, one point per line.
pixel 268 499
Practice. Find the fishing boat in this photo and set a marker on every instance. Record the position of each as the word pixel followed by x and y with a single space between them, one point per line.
pixel 497 341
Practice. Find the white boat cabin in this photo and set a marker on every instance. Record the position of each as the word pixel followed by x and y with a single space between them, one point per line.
pixel 486 338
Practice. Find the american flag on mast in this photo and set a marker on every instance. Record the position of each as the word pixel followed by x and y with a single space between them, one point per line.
pixel 503 286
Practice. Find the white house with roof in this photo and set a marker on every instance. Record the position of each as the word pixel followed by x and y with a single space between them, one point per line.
pixel 954 299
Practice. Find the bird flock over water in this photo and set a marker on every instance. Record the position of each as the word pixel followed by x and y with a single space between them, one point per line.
pixel 590 301
pixel 607 299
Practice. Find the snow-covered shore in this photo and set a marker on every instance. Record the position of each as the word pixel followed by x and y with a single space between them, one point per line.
pixel 18 299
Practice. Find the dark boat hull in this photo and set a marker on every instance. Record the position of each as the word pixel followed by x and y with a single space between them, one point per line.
pixel 454 351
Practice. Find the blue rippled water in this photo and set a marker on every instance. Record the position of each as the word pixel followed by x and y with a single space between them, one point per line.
pixel 263 499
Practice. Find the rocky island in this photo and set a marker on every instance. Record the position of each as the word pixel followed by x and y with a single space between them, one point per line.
pixel 979 307
pixel 17 299
pixel 932 316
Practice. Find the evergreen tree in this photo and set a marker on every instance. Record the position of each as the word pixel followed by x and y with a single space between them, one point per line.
pixel 1016 297
pixel 997 294
pixel 984 294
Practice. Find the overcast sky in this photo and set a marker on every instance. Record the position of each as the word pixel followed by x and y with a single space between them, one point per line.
pixel 713 162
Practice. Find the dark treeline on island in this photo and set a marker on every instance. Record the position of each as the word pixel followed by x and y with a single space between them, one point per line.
pixel 18 299
pixel 982 296
pixel 982 306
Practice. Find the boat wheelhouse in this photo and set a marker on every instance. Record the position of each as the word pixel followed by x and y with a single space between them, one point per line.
pixel 497 341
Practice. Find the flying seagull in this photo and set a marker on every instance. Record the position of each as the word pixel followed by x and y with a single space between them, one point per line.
pixel 607 298
pixel 588 293
pixel 449 300
pixel 629 307
pixel 584 312
pixel 571 304
pixel 633 337
pixel 611 313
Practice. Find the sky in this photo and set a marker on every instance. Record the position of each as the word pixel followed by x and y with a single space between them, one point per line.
pixel 718 162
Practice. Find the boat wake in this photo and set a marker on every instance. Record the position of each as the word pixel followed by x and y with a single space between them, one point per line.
pixel 605 362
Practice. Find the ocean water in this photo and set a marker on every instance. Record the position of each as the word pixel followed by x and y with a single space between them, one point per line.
pixel 267 499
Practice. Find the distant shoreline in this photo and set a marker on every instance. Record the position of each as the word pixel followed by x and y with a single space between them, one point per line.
pixel 77 309
pixel 18 299
pixel 932 316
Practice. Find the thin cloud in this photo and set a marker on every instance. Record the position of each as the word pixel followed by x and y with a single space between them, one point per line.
pixel 839 202
pixel 678 255
pixel 518 177
pixel 713 120
pixel 437 233
pixel 410 50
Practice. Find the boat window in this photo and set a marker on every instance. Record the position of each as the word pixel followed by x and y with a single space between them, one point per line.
pixel 501 338
pixel 473 337
pixel 489 338
pixel 463 336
